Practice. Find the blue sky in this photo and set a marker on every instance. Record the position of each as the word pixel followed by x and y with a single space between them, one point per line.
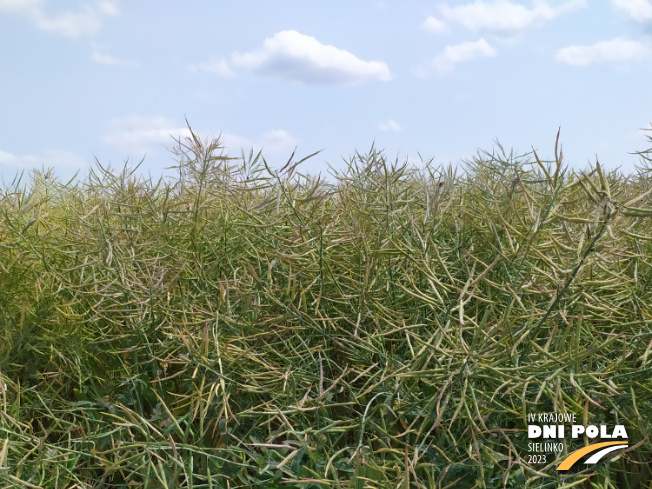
pixel 114 79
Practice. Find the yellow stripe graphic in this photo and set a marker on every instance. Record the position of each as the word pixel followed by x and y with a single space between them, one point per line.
pixel 578 454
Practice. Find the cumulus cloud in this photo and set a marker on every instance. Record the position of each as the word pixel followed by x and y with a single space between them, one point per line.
pixel 614 50
pixel 463 52
pixel 86 21
pixel 389 125
pixel 504 17
pixel 434 25
pixel 292 55
pixel 638 10
pixel 51 158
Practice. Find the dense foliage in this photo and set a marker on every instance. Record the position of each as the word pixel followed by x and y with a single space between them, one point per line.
pixel 389 327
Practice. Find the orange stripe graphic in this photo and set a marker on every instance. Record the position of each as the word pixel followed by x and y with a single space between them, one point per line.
pixel 578 454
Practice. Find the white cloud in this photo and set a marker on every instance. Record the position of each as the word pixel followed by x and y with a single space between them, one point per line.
pixel 233 144
pixel 25 7
pixel 70 24
pixel 137 135
pixel 85 22
pixel 273 142
pixel 434 25
pixel 389 125
pixel 503 17
pixel 108 7
pixel 51 158
pixel 278 141
pixel 106 59
pixel 638 10
pixel 290 54
pixel 463 52
pixel 219 67
pixel 615 50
